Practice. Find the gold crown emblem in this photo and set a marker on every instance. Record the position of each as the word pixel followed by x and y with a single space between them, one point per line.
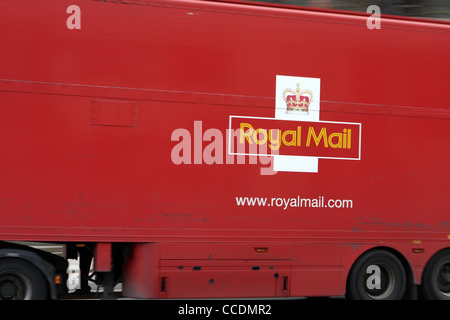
pixel 297 101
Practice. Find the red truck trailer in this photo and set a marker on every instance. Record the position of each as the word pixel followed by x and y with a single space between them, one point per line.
pixel 208 149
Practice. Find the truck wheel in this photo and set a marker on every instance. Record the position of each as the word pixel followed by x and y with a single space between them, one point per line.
pixel 20 280
pixel 377 275
pixel 436 277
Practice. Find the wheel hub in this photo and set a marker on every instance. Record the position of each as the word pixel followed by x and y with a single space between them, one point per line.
pixel 11 287
pixel 7 290
pixel 444 279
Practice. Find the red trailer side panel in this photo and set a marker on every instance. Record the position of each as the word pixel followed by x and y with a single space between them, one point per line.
pixel 120 132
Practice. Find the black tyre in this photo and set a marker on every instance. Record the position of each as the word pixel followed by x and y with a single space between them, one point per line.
pixel 377 275
pixel 20 280
pixel 436 277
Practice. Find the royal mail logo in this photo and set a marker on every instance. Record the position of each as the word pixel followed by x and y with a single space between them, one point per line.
pixel 297 101
pixel 324 139
pixel 296 137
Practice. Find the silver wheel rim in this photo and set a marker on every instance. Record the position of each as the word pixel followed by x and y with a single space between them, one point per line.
pixel 443 278
pixel 387 283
